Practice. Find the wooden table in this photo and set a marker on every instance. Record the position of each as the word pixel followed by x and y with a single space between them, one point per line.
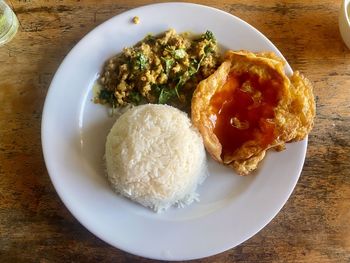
pixel 314 225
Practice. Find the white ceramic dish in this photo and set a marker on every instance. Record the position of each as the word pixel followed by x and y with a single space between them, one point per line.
pixel 232 208
pixel 344 22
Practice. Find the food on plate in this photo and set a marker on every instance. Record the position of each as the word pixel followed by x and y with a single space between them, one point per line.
pixel 242 103
pixel 249 105
pixel 155 157
pixel 136 20
pixel 159 69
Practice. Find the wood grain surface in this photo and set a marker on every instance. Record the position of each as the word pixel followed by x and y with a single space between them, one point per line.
pixel 314 225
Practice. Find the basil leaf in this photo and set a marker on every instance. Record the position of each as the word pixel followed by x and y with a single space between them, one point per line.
pixel 192 70
pixel 208 49
pixel 208 35
pixel 135 97
pixel 168 64
pixel 106 96
pixel 166 94
pixel 141 61
pixel 156 89
pixel 179 85
pixel 150 39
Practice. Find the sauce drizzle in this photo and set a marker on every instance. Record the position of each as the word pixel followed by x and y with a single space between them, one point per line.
pixel 243 110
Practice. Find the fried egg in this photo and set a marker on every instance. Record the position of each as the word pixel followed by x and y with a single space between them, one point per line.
pixel 249 105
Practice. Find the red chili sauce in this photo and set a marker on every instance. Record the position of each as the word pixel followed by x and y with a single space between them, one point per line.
pixel 244 109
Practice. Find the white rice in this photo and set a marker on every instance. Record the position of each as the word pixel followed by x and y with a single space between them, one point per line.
pixel 155 157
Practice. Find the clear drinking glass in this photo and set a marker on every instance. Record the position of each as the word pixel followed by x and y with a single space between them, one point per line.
pixel 8 23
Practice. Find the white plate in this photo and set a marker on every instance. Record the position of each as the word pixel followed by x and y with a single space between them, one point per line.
pixel 232 208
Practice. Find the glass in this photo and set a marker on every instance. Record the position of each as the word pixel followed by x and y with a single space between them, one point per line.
pixel 8 23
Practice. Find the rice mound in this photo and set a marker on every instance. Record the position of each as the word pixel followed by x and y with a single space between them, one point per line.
pixel 155 157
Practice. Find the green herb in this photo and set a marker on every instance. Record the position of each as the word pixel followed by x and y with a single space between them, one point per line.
pixel 150 39
pixel 135 97
pixel 141 61
pixel 179 84
pixel 166 94
pixel 106 96
pixel 179 53
pixel 156 89
pixel 168 64
pixel 208 49
pixel 208 35
pixel 193 69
